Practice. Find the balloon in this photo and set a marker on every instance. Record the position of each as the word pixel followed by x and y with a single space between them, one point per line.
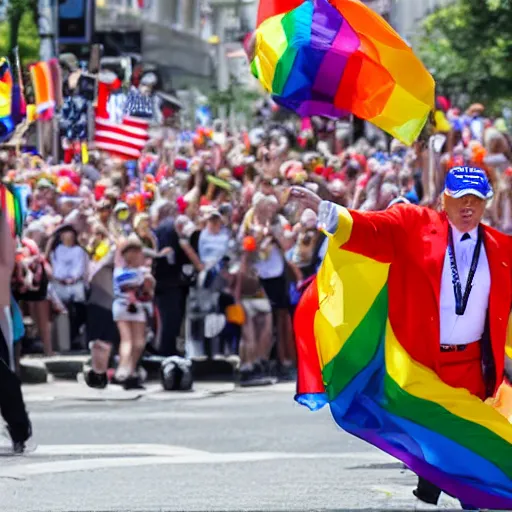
pixel 249 244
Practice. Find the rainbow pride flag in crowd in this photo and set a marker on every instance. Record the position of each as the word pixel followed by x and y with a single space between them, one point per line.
pixel 350 358
pixel 332 58
pixel 11 205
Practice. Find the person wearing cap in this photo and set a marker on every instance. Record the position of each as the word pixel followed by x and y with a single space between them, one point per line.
pixel 121 225
pixel 104 212
pixel 454 277
pixel 214 239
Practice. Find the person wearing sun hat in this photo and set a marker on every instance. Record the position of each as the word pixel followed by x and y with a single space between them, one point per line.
pixel 449 285
pixel 133 287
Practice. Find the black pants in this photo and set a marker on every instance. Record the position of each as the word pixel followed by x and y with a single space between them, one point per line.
pixel 12 406
pixel 171 309
pixel 430 493
pixel 77 317
pixel 427 492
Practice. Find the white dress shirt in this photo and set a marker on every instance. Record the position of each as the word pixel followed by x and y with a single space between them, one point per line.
pixel 461 330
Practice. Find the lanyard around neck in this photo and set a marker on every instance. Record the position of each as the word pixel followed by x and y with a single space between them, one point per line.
pixel 461 299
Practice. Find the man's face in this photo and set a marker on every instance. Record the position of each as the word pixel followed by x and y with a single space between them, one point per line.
pixel 214 224
pixel 104 214
pixel 466 212
pixel 267 187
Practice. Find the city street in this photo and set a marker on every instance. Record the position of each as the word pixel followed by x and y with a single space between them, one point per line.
pixel 251 449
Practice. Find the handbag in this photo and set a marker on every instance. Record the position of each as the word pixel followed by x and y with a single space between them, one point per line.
pixel 235 314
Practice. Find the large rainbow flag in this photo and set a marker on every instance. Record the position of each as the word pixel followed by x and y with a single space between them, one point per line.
pixel 350 358
pixel 334 58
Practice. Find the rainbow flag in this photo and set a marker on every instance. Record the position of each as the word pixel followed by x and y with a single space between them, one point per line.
pixel 340 57
pixel 43 85
pixel 10 204
pixel 6 90
pixel 350 358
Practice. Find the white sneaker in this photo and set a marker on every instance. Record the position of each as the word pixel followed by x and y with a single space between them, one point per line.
pixel 448 503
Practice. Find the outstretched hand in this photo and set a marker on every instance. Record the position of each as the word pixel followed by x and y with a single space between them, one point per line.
pixel 305 197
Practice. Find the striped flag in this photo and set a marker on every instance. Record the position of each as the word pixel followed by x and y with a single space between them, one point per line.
pixel 125 140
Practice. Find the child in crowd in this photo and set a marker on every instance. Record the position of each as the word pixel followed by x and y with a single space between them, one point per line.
pixel 133 294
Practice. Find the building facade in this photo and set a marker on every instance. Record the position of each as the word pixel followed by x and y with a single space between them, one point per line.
pixel 406 15
pixel 229 22
pixel 169 36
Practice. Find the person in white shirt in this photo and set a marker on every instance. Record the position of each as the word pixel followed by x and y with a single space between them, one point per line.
pixel 70 263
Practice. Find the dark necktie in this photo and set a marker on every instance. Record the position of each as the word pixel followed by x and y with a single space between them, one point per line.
pixel 465 236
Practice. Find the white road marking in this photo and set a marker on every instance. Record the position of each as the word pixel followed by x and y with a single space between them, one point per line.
pixel 73 391
pixel 164 455
pixel 113 449
pixel 402 494
pixel 126 415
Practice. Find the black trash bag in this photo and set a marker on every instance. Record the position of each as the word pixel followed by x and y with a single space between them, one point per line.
pixel 176 374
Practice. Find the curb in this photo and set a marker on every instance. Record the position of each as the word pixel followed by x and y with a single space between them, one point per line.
pixel 33 372
pixel 69 367
pixel 66 367
pixel 114 394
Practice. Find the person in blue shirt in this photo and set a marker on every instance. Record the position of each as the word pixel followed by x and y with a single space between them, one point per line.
pixel 213 240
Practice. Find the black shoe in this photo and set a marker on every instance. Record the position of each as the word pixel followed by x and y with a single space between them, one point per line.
pixel 265 368
pixel 95 380
pixel 427 492
pixel 255 377
pixel 117 382
pixel 244 377
pixel 133 383
pixel 20 448
pixel 287 374
pixel 22 444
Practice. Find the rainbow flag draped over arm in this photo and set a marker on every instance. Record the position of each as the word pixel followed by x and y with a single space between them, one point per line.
pixel 334 58
pixel 350 359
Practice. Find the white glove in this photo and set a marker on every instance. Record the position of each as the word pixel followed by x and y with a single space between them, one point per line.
pixel 328 217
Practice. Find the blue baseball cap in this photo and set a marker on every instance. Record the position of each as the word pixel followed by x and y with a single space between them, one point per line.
pixel 461 181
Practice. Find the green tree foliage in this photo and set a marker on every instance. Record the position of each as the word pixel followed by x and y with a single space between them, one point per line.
pixel 237 96
pixel 28 39
pixel 468 48
pixel 20 29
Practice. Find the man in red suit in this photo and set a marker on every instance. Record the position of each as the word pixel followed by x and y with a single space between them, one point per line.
pixel 450 281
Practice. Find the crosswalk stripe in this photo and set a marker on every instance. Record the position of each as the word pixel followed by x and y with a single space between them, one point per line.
pixel 173 457
pixel 114 449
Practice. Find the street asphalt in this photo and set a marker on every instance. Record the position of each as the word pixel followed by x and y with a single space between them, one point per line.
pixel 218 448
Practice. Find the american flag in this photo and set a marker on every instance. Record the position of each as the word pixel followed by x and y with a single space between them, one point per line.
pixel 125 140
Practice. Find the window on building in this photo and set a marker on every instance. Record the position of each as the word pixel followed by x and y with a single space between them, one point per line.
pixel 176 12
pixel 190 14
pixel 169 12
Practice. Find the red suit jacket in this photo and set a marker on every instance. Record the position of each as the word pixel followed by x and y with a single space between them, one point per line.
pixel 414 240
